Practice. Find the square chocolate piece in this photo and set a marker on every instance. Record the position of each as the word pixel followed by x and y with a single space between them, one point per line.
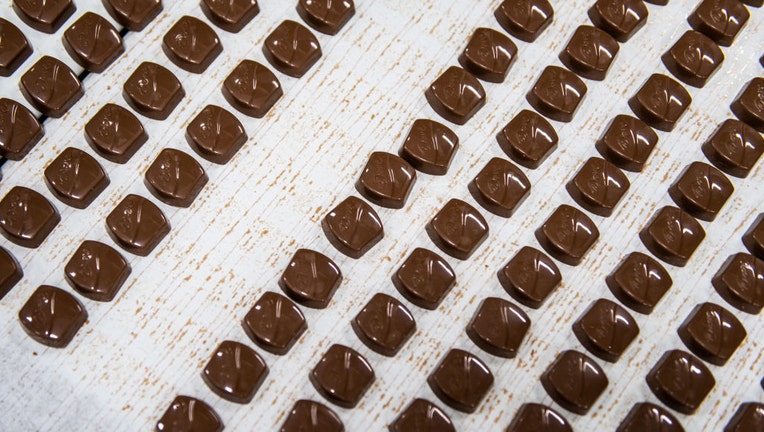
pixel 215 134
pixel 52 316
pixel 530 277
pixel 753 239
pixel 311 279
pixel 720 20
pixel 230 15
pixel 701 190
pixel 528 139
pixel 557 93
pixel 14 48
pixel 274 323
pixel 153 91
pixel 307 415
pixel 498 327
pixel 342 376
pixel 424 278
pixel 488 55
pixel 458 229
pixel 734 148
pixel 235 372
pixel 115 133
pixel 461 380
pixel 456 95
pixel 133 14
pixel 712 333
pixel 568 234
pixel 681 381
pixel 26 217
pixel 45 16
pixel 639 282
pixel 175 178
pixel 574 381
pixel 97 271
pixel 598 186
pixel 422 415
pixel 137 225
pixel 353 227
pixel 589 52
pixel 189 414
pixel 252 88
pixel 10 272
pixel 429 147
pixel 191 44
pixel 660 102
pixel 627 143
pixel 740 282
pixel 621 18
pixel 75 178
pixel 525 19
pixel 93 42
pixel 19 130
pixel 672 235
pixel 292 48
pixel 606 329
pixel 326 16
pixel 51 86
pixel 693 59
pixel 384 324
pixel 748 106
pixel 386 180
pixel 500 187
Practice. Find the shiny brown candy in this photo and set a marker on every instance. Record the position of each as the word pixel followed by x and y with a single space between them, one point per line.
pixel 191 44
pixel 639 282
pixel 429 147
pixel 292 49
pixel 386 180
pixel 754 3
pixel 672 235
pixel 252 88
pixel 748 106
pixel 215 134
pixel 326 16
pixel 458 229
pixel 133 14
pixel 115 133
pixel 488 55
pixel 153 91
pixel 740 282
pixel 456 95
pixel 308 415
pixel 14 48
pixel 525 19
pixel 680 381
pixel 19 130
pixel 589 52
pixel 96 271
pixel 753 239
pixel 424 278
pixel 235 372
pixel 189 414
pixel 274 323
pixel 500 187
pixel 749 417
pixel 498 327
pixel 528 139
pixel 533 417
pixel 422 415
pixel 721 20
pixel 712 333
pixel 384 324
pixel 51 86
pixel 701 190
pixel 645 416
pixel 230 15
pixel 734 148
pixel 311 279
pixel 75 178
pixel 557 93
pixel 342 376
pixel 606 329
pixel 52 316
pixel 621 18
pixel 93 42
pixel 175 178
pixel 627 143
pixel 10 272
pixel 598 186
pixel 353 227
pixel 137 225
pixel 574 381
pixel 530 277
pixel 568 234
pixel 461 380
pixel 693 59
pixel 26 217
pixel 45 16
pixel 660 102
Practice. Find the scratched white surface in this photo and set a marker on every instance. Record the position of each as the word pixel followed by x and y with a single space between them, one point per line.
pixel 137 352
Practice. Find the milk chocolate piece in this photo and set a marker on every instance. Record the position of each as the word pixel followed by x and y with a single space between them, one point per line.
pixel 461 380
pixel 598 186
pixel 627 143
pixel 606 329
pixel 639 282
pixel 456 95
pixel 488 55
pixel 429 147
pixel 93 42
pixel 235 372
pixel 530 277
pixel 189 414
pixel 660 102
pixel 749 417
pixel 153 91
pixel 75 178
pixel 386 180
pixel 115 133
pixel 524 19
pixel 26 217
pixel 753 239
pixel 589 52
pixel 693 59
pixel 175 178
pixel 721 20
pixel 458 229
pixel 424 278
pixel 308 415
pixel 97 271
pixel 215 134
pixel 52 316
pixel 230 15
pixel 45 16
pixel 342 376
pixel 326 16
pixel 384 324
pixel 51 86
pixel 567 234
pixel 533 417
pixel 740 282
pixel 701 190
pixel 311 279
pixel 748 106
pixel 19 130
pixel 574 381
pixel 191 44
pixel 133 14
pixel 672 235
pixel 274 323
pixel 137 225
pixel 500 187
pixel 498 327
pixel 252 88
pixel 14 48
pixel 645 416
pixel 292 48
pixel 557 93
pixel 681 381
pixel 528 139
pixel 712 333
pixel 734 148
pixel 353 227
pixel 10 272
pixel 422 415
pixel 621 18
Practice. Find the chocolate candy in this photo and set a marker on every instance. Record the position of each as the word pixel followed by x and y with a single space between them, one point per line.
pixel 189 414
pixel 458 229
pixel 153 91
pixel 500 187
pixel 488 55
pixel 326 16
pixel 456 95
pixel 672 235
pixel 252 88
pixel 748 417
pixel 740 282
pixel 528 139
pixel 26 217
pixel 589 52
pixel 627 143
pixel 133 14
pixel 191 44
pixel 645 416
pixel 14 48
pixel 721 20
pixel 639 282
pixel 308 415
pixel 384 324
pixel 175 178
pixel 342 376
pixel 606 329
pixel 420 415
pixel 51 86
pixel 75 178
pixel 52 316
pixel 97 271
pixel 461 380
pixel 734 148
pixel 533 417
pixel 137 225
pixel 693 59
pixel 45 16
pixel 311 279
pixel 235 372
pixel 574 381
pixel 498 327
pixel 524 19
pixel 274 323
pixel 115 133
pixel 530 277
pixel 681 381
pixel 660 102
pixel 598 186
pixel 230 15
pixel 701 190
pixel 19 130
pixel 568 234
pixel 754 3
pixel 748 106
pixel 753 239
pixel 10 272
pixel 620 18
pixel 93 42
pixel 386 180
pixel 557 93
pixel 353 227
pixel 424 278
pixel 712 333
pixel 429 147
pixel 215 134
pixel 292 49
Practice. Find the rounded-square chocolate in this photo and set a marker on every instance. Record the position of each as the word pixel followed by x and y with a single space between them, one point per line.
pixel 26 217
pixel 680 381
pixel 748 106
pixel 645 416
pixel 133 14
pixel 52 316
pixel 627 143
pixel 153 91
pixel 252 88
pixel 51 86
pixel 75 178
pixel 748 417
pixel 191 44
pixel 235 372
pixel 590 52
pixel 639 282
pixel 720 20
pixel 740 282
pixel 115 133
pixel 621 18
pixel 660 102
pixel 342 376
pixel 461 380
pixel 574 381
pixel 44 16
pixel 429 147
pixel 97 271
pixel 231 15
pixel 568 234
pixel 524 19
pixel 488 55
pixel 386 180
pixel 701 190
pixel 458 229
pixel 734 148
pixel 606 329
pixel 310 279
pixel 530 277
pixel 533 417
pixel 274 323
pixel 137 225
pixel 753 239
pixel 93 42
pixel 353 227
pixel 557 93
pixel 693 59
pixel 308 415
pixel 598 186
pixel 20 132
pixel 672 235
pixel 498 327
pixel 500 187
pixel 384 324
pixel 424 279
pixel 422 414
pixel 215 134
pixel 326 16
pixel 456 95
pixel 10 272
pixel 292 48
pixel 14 50
pixel 712 333
pixel 175 178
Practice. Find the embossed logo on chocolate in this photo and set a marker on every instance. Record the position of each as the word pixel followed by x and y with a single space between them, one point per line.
pixel 574 381
pixel 429 147
pixel 488 55
pixel 153 91
pixel 96 271
pixel 230 15
pixel 693 58
pixel 235 372
pixel 93 42
pixel 137 225
pixel 456 95
pixel 175 178
pixel 422 415
pixel 26 217
pixel 133 14
pixel 528 139
pixel 458 229
pixel 252 88
pixel 681 381
pixel 342 376
pixel 292 49
pixel 590 52
pixel 524 19
pixel 386 180
pixel 660 102
pixel 500 187
pixel 191 44
pixel 44 15
pixel 51 86
pixel 461 380
pixel 621 18
pixel 75 178
pixel 557 93
pixel 326 16
pixel 52 316
pixel 19 130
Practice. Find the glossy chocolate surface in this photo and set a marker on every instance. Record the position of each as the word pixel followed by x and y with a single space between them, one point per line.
pixel 191 44
pixel 115 133
pixel 386 180
pixel 701 190
pixel 645 416
pixel 574 381
pixel 424 278
pixel 93 42
pixel 530 277
pixel 660 102
pixel 748 106
pixel 533 417
pixel 75 178
pixel 456 95
pixel 749 417
pixel 606 329
pixel 458 229
pixel 10 272
pixel 720 20
pixel 14 48
pixel 734 148
pixel 461 380
pixel 672 235
pixel 422 415
pixel 51 86
pixel 557 93
pixel 528 139
pixel 342 376
pixel 488 55
pixel 589 52
pixel 500 187
pixel 627 143
pixel 311 416
pixel 567 234
pixel 189 414
pixel 310 278
pixel 639 282
pixel 153 91
pixel 598 186
pixel 693 59
pixel 753 239
pixel 45 16
pixel 215 134
pixel 680 381
pixel 525 19
pixel 621 18
pixel 19 130
pixel 353 227
pixel 712 333
pixel 26 217
pixel 175 178
pixel 274 323
pixel 230 15
pixel 292 48
pixel 96 271
pixel 429 147
pixel 326 16
pixel 498 327
pixel 133 14
pixel 740 282
pixel 252 88
pixel 52 316
pixel 137 225
pixel 384 324
pixel 235 372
